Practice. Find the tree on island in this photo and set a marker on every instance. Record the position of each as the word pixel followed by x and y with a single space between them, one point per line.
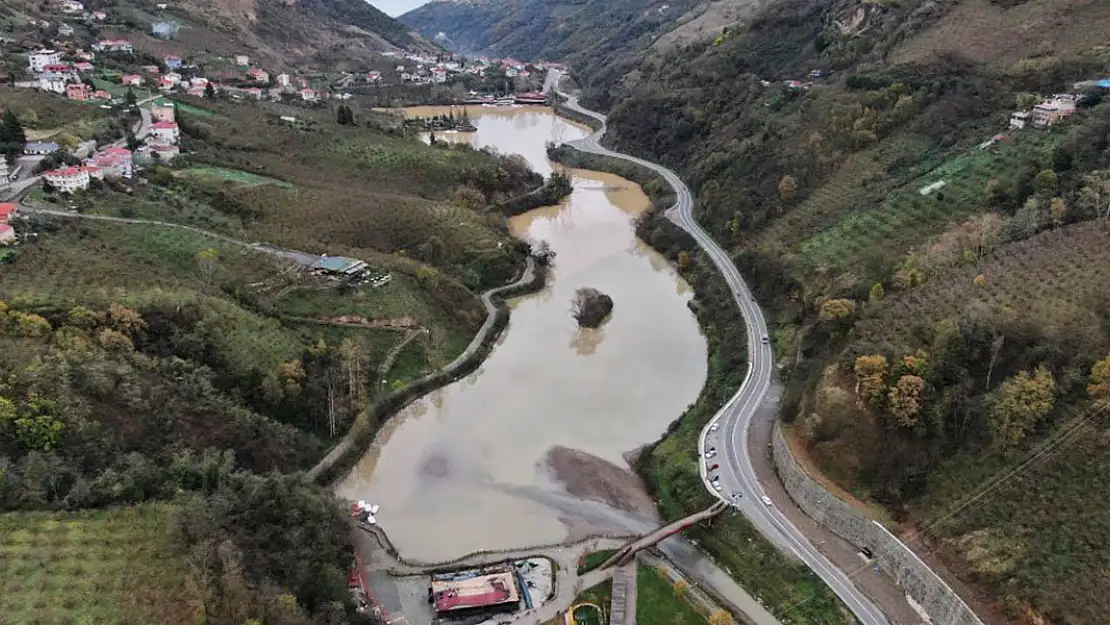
pixel 591 307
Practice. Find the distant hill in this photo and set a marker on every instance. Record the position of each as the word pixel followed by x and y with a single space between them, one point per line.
pixel 602 38
pixel 308 33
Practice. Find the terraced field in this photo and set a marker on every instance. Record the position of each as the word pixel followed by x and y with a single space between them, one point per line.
pixel 118 565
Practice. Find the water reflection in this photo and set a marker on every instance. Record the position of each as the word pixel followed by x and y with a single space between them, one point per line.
pixel 449 472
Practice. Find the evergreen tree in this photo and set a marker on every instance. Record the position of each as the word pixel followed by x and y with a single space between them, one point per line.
pixel 130 97
pixel 12 135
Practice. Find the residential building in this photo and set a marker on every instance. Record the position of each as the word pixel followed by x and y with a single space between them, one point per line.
pixel 83 66
pixel 174 62
pixel 242 60
pixel 132 80
pixel 60 68
pixel 198 81
pixel 282 80
pixel 157 153
pixel 5 175
pixel 71 6
pixel 113 45
pixel 6 212
pixel 164 132
pixel 114 162
pixel 40 148
pixel 7 234
pixel 196 91
pixel 151 69
pixel 308 95
pixel 69 179
pixel 65 30
pixel 1019 119
pixel 39 59
pixel 163 113
pixel 101 94
pixel 173 77
pixel 258 75
pixel 1051 111
pixel 99 16
pixel 165 84
pixel 54 83
pixel 78 91
pixel 84 55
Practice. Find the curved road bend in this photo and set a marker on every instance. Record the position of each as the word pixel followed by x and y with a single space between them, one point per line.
pixel 733 420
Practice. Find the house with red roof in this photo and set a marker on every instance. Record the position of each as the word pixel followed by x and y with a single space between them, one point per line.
pixel 133 80
pixel 6 211
pixel 70 179
pixel 166 133
pixel 113 162
pixel 78 91
pixel 259 75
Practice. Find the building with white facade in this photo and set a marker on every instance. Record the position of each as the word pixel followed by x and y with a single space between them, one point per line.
pixel 39 59
pixel 166 133
pixel 69 179
pixel 113 162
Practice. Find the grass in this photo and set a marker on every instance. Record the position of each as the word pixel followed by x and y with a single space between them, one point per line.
pixel 594 559
pixel 904 217
pixel 233 175
pixel 116 565
pixel 190 109
pixel 658 604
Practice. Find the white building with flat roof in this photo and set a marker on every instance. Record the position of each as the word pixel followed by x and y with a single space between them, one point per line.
pixel 39 59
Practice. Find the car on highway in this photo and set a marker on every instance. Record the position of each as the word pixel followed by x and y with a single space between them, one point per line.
pixel 714 467
pixel 766 340
pixel 716 425
pixel 766 500
pixel 737 495
pixel 717 486
pixel 712 451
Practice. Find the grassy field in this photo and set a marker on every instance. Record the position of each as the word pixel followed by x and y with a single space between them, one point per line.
pixel 233 175
pixel 657 603
pixel 594 560
pixel 117 565
pixel 188 108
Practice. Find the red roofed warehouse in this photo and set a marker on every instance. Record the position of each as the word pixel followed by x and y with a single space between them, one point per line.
pixel 463 593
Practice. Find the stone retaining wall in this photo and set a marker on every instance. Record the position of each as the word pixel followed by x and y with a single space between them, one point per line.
pixel 939 601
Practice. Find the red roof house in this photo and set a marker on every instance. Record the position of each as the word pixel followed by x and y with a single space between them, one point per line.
pixel 6 211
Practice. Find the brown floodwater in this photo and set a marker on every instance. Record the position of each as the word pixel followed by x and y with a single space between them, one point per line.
pixel 465 468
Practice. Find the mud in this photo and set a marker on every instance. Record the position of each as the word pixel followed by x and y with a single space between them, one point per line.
pixel 589 477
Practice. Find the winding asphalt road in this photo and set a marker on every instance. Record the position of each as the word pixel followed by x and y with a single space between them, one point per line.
pixel 727 432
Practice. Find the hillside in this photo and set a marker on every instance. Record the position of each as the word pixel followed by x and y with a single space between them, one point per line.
pixel 600 38
pixel 317 34
pixel 933 276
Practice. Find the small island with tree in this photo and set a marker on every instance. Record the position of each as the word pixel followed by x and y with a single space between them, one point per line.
pixel 591 307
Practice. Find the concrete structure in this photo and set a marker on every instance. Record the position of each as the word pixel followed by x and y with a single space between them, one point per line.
pixel 929 591
pixel 339 266
pixel 39 148
pixel 113 162
pixel 39 59
pixel 69 179
pixel 1051 111
pixel 79 91
pixel 113 45
pixel 165 133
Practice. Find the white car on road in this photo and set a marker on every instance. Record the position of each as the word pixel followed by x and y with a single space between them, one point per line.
pixel 766 500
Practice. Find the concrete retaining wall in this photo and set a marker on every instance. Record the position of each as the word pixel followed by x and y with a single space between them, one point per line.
pixel 939 601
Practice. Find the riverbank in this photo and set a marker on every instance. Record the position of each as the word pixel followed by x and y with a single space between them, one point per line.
pixel 670 466
pixel 347 453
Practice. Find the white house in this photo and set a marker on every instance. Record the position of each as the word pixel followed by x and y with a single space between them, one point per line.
pixel 165 133
pixel 65 30
pixel 69 179
pixel 282 80
pixel 113 45
pixel 72 6
pixel 308 95
pixel 54 83
pixel 41 58
pixel 1019 120
pixel 242 60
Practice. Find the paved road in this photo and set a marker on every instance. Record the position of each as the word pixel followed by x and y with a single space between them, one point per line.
pixel 733 420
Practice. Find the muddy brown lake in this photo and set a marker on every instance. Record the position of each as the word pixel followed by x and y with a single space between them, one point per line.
pixel 468 468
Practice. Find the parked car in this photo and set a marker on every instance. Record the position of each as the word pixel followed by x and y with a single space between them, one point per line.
pixel 715 426
pixel 737 495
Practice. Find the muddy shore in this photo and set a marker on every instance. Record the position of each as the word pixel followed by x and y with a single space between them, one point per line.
pixel 589 477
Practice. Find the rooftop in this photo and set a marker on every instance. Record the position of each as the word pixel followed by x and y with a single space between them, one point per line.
pixel 338 264
pixel 474 592
pixel 6 211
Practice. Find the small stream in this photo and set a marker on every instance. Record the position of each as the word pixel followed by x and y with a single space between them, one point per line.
pixel 467 468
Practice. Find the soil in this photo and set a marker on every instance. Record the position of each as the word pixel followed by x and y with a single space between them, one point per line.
pixel 590 477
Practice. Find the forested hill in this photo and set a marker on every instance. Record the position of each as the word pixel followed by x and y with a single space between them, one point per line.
pixel 321 34
pixel 602 38
pixel 934 277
